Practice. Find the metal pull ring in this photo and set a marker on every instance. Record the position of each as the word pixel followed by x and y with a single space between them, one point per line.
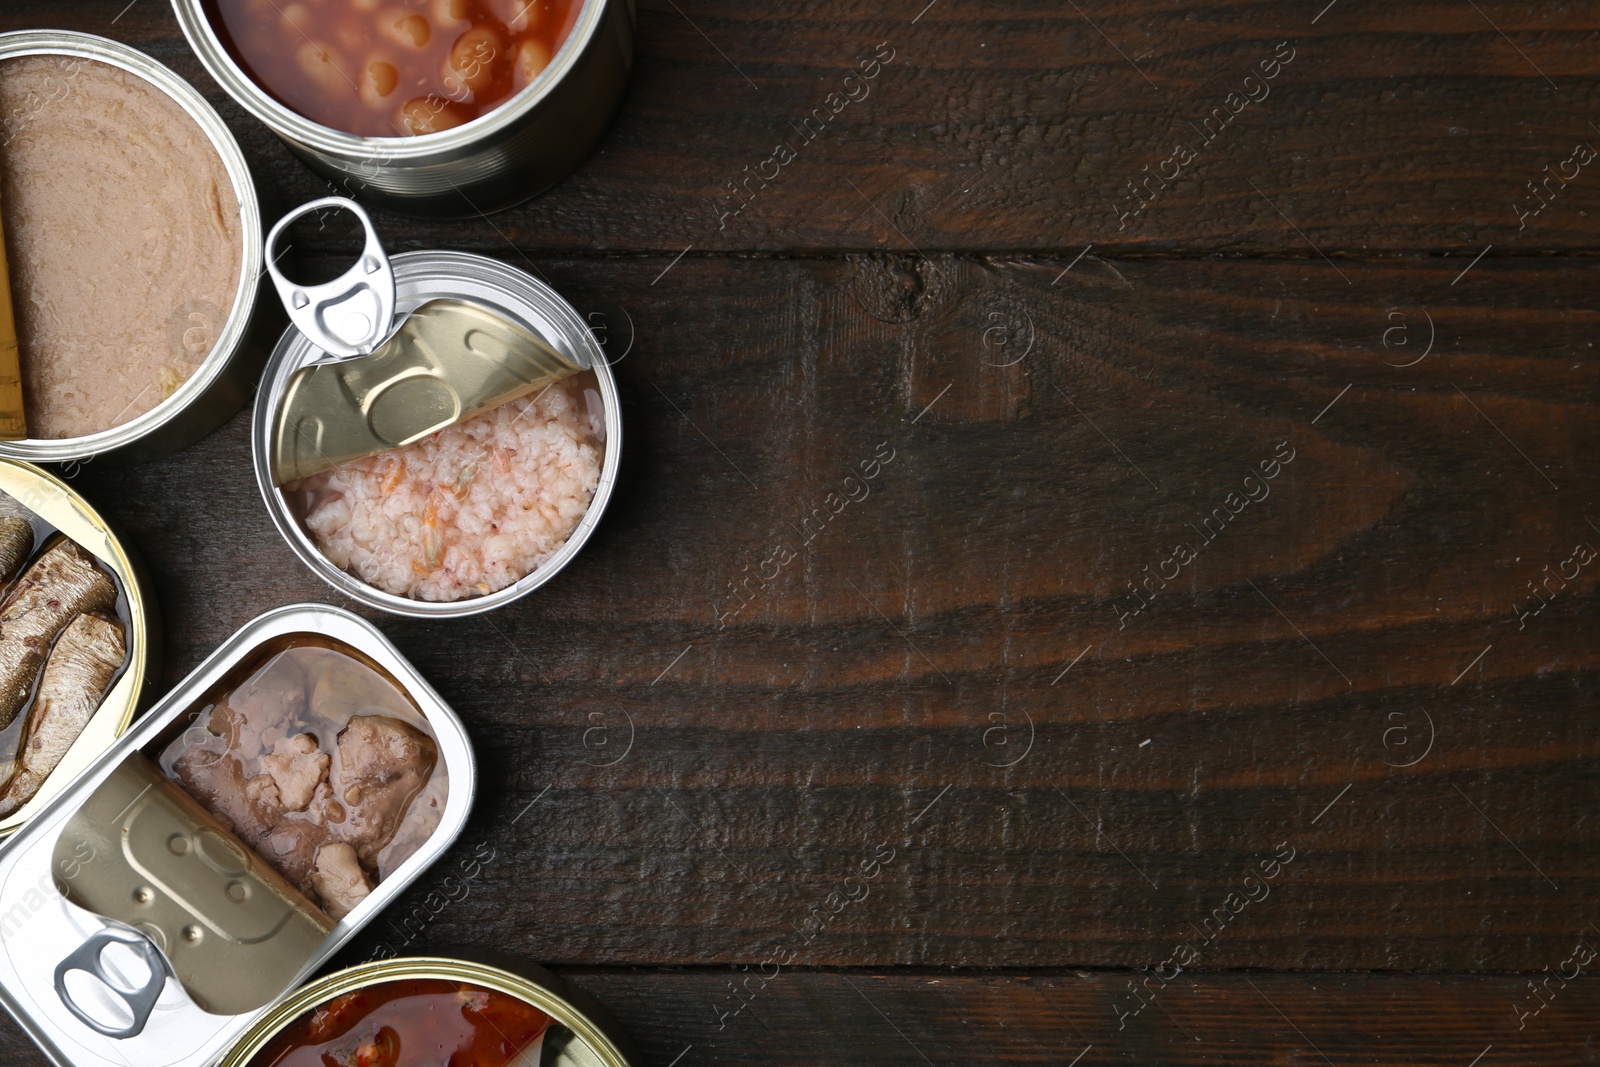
pixel 139 1002
pixel 351 315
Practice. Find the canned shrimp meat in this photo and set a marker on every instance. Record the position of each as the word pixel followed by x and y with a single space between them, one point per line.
pixel 462 512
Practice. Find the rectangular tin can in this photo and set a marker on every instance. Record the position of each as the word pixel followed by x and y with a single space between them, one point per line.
pixel 44 936
pixel 224 380
pixel 514 152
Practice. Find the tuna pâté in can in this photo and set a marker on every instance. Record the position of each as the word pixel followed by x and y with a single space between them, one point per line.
pixel 450 107
pixel 216 855
pixel 134 240
pixel 79 638
pixel 464 500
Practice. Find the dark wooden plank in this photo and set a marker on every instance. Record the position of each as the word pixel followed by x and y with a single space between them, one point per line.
pixel 808 1018
pixel 698 790
pixel 1398 127
pixel 947 734
pixel 688 1019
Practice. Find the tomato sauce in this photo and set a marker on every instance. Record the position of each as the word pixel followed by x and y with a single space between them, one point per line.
pixel 410 1022
pixel 393 68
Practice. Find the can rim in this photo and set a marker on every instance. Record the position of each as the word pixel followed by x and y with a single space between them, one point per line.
pixel 281 119
pixel 363 975
pixel 135 677
pixel 55 1031
pixel 231 335
pixel 441 267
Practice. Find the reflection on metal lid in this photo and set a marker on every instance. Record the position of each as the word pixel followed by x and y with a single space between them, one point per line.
pixel 449 360
pixel 234 931
pixel 375 387
pixel 53 949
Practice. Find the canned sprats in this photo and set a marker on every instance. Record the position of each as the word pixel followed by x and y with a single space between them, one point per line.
pixel 78 638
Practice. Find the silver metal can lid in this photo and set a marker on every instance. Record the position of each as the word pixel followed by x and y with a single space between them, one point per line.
pixel 47 941
pixel 525 302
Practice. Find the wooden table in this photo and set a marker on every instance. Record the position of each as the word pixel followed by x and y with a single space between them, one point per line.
pixel 990 771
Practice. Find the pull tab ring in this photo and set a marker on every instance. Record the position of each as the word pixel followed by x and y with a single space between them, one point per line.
pixel 139 1002
pixel 354 313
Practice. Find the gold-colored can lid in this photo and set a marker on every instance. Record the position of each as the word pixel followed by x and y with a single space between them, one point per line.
pixel 55 508
pixel 581 1033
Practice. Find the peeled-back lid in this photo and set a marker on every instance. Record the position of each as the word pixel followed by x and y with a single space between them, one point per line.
pixel 233 931
pixel 377 385
pixel 44 933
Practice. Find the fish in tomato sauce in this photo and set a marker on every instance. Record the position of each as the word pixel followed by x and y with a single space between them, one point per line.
pixel 409 1022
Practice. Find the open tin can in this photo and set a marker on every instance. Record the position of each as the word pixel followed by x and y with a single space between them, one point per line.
pixel 138 927
pixel 581 1034
pixel 515 151
pixel 378 295
pixel 207 340
pixel 57 510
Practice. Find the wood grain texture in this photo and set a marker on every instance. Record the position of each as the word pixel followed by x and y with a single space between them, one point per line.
pixel 1393 128
pixel 1234 1019
pixel 899 1020
pixel 884 666
pixel 698 788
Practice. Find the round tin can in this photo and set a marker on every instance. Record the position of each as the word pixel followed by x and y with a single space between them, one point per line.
pixel 57 508
pixel 520 298
pixel 222 383
pixel 514 152
pixel 587 1037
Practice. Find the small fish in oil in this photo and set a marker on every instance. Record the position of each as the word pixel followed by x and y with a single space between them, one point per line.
pixel 80 667
pixel 61 583
pixel 16 537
